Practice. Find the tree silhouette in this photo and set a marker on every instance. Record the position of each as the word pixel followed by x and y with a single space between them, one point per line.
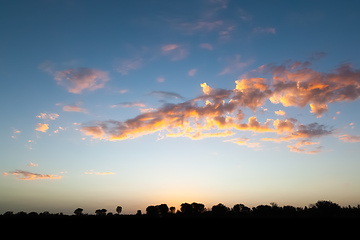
pixel 118 209
pixel 172 210
pixel 219 209
pixel 100 212
pixel 240 209
pixel 78 211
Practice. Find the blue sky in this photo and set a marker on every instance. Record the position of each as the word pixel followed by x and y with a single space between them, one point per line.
pixel 148 102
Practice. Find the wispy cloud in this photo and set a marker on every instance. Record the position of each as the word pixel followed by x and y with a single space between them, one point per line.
pixel 174 51
pixel 269 30
pixel 166 95
pixel 207 46
pixel 127 65
pixel 33 164
pixel 129 104
pixel 25 175
pixel 349 138
pixel 192 72
pixel 92 172
pixel 235 64
pixel 80 79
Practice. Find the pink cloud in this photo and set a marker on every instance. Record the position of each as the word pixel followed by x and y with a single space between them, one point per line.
pixel 175 52
pixel 192 72
pixel 207 46
pixel 77 80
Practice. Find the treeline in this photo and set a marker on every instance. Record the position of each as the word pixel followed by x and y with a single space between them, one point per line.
pixel 198 210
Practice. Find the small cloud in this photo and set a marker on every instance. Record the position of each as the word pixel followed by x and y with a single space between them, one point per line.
pixel 235 65
pixel 25 175
pixel 192 72
pixel 122 91
pixel 350 138
pixel 259 30
pixel 125 66
pixel 160 79
pixel 169 47
pixel 128 104
pixel 51 116
pixel 165 94
pixel 15 133
pixel 244 15
pixel 42 127
pixel 280 113
pixel 77 80
pixel 244 142
pixel 207 46
pixel 176 52
pixel 73 108
pixel 33 164
pixel 92 172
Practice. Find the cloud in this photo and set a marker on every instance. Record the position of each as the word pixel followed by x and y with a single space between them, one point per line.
pixel 127 65
pixel 33 164
pixel 192 72
pixel 280 113
pixel 174 51
pixel 243 142
pixel 221 112
pixel 350 138
pixel 51 116
pixel 77 80
pixel 129 104
pixel 269 30
pixel 234 65
pixel 201 25
pixel 25 175
pixel 160 79
pixel 167 95
pixel 92 172
pixel 297 85
pixel 207 46
pixel 16 132
pixel 42 127
pixel 73 108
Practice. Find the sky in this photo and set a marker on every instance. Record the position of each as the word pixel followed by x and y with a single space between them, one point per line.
pixel 138 103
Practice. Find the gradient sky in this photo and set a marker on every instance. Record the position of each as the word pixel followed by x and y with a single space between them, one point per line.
pixel 136 103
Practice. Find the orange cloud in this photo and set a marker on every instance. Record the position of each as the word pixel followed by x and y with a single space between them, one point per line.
pixel 25 175
pixel 221 112
pixel 77 80
pixel 280 113
pixel 42 127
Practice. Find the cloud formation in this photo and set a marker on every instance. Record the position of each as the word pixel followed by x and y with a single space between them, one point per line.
pixel 45 116
pixel 25 175
pixel 174 51
pixel 220 112
pixel 77 80
pixel 41 127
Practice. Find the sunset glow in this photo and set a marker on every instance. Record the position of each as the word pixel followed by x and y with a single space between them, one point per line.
pixel 133 103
